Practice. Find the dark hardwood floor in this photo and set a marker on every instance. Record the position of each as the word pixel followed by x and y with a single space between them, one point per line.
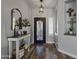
pixel 47 51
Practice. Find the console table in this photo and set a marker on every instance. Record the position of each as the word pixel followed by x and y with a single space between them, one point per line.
pixel 16 39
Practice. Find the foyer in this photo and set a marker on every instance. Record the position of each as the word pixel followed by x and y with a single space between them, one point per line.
pixel 38 29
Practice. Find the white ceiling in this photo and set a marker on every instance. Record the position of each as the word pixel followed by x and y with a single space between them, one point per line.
pixel 46 3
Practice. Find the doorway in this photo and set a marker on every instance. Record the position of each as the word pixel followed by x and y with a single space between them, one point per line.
pixel 39 30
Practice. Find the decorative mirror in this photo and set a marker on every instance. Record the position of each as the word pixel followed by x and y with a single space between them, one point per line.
pixel 16 18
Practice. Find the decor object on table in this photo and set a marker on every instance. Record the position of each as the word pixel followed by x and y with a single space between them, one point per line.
pixel 25 22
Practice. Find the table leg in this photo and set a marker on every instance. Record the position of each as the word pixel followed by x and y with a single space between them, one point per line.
pixel 10 49
pixel 29 44
pixel 17 50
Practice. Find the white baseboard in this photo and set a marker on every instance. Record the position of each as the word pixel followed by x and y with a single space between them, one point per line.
pixel 50 42
pixel 4 56
pixel 69 54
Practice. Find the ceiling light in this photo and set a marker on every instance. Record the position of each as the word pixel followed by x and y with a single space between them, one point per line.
pixel 41 10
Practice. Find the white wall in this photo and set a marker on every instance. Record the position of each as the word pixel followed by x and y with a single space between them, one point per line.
pixel 47 13
pixel 6 7
pixel 66 44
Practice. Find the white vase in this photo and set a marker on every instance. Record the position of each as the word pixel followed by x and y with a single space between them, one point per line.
pixel 71 32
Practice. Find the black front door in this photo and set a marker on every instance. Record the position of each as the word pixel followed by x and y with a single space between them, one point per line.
pixel 39 30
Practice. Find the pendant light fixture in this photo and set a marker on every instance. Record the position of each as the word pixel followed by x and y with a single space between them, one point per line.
pixel 41 10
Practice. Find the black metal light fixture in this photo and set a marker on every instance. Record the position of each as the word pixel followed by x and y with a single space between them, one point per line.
pixel 41 10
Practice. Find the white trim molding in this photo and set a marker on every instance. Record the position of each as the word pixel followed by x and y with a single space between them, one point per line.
pixel 50 42
pixel 5 56
pixel 67 53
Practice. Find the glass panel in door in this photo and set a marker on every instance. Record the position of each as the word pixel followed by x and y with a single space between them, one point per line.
pixel 39 30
